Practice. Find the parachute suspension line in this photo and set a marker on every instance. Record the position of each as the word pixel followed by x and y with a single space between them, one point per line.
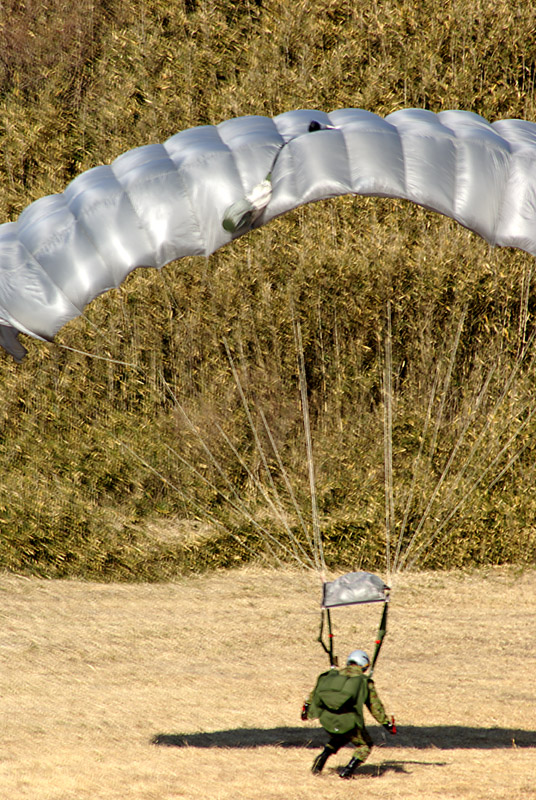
pixel 444 391
pixel 202 513
pixel 446 469
pixel 317 538
pixel 96 357
pixel 98 330
pixel 103 335
pixel 273 544
pixel 184 497
pixel 516 455
pixel 416 468
pixel 388 439
pixel 446 383
pixel 524 313
pixel 286 479
pixel 436 534
pixel 236 505
pixel 476 445
pixel 304 560
pixel 277 507
pixel 309 553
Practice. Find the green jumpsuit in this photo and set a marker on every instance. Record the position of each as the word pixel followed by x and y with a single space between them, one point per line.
pixel 346 725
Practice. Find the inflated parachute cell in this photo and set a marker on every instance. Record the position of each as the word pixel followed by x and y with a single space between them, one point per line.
pixel 207 185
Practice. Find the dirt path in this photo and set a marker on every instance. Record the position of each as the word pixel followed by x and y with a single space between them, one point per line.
pixel 215 669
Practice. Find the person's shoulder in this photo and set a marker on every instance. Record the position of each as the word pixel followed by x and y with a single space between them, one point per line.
pixel 353 671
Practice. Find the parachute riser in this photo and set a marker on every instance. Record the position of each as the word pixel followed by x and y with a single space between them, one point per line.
pixel 382 630
pixel 354 588
pixel 328 648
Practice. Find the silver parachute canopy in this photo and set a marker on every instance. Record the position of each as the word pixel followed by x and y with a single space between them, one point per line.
pixel 205 186
pixel 355 587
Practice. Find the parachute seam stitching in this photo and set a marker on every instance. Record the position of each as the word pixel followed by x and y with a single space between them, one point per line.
pixel 349 182
pixel 455 216
pixel 512 160
pixel 79 220
pixel 191 205
pixel 146 230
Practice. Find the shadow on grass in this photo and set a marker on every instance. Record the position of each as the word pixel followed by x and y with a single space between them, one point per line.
pixel 440 737
pixel 398 767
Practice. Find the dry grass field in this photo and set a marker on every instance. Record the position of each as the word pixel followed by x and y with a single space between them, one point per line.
pixel 193 688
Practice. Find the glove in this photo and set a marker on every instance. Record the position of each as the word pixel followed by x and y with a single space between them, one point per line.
pixel 390 726
pixel 305 711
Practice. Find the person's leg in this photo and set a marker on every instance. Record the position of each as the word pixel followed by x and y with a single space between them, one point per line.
pixel 336 741
pixel 363 744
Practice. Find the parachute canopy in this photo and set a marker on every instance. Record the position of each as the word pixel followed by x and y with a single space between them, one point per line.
pixel 355 587
pixel 205 186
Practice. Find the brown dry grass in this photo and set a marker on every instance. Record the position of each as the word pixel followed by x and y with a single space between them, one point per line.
pixel 217 667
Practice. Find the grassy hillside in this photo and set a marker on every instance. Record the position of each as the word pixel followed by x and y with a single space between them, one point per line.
pixel 152 437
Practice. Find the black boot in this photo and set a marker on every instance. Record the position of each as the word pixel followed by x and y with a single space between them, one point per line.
pixel 320 760
pixel 350 768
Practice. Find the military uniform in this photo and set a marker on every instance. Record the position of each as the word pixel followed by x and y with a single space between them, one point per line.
pixel 337 702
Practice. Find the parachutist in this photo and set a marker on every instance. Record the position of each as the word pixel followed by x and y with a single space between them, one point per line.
pixel 337 702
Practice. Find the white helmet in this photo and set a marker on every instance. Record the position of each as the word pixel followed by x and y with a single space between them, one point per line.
pixel 358 657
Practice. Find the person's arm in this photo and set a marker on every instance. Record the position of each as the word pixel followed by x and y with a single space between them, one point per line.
pixel 375 705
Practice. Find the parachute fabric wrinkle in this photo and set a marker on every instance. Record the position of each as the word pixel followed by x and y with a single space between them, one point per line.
pixel 161 202
pixel 428 160
pixel 45 228
pixel 354 588
pixel 37 288
pixel 103 209
pixel 375 153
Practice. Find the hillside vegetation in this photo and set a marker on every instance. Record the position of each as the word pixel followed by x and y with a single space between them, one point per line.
pixel 162 431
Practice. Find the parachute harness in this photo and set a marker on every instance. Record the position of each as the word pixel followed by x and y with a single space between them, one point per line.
pixel 352 589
